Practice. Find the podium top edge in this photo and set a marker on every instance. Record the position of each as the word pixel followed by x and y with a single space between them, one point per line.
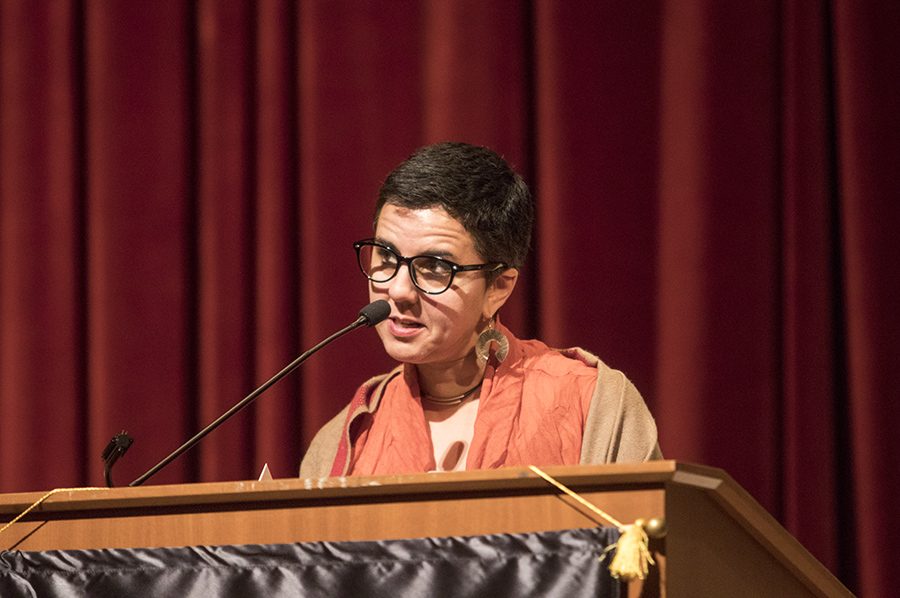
pixel 291 489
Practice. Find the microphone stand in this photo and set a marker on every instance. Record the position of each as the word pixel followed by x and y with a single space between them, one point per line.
pixel 370 315
pixel 245 401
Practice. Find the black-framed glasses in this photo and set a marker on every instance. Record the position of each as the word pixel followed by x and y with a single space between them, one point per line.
pixel 430 274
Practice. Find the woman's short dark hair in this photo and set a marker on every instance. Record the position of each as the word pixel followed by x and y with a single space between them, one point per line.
pixel 476 187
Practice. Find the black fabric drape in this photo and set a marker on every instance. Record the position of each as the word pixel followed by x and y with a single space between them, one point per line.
pixel 560 564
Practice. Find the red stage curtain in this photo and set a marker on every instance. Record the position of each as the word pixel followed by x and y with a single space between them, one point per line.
pixel 180 183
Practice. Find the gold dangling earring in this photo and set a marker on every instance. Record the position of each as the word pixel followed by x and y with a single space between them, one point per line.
pixel 489 336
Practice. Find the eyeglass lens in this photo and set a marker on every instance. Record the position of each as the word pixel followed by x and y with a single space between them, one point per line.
pixel 380 264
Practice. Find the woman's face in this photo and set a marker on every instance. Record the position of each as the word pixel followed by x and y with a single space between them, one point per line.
pixel 433 329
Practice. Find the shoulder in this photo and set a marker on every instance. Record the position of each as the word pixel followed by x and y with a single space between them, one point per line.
pixel 550 381
pixel 619 426
pixel 538 358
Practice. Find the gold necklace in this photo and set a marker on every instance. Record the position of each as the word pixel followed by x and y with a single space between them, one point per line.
pixel 448 401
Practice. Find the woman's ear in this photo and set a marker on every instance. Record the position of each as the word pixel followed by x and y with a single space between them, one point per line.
pixel 499 291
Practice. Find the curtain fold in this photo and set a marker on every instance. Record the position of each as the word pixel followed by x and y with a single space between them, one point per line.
pixel 276 259
pixel 716 183
pixel 596 180
pixel 718 234
pixel 42 324
pixel 225 228
pixel 138 242
pixel 868 151
pixel 812 332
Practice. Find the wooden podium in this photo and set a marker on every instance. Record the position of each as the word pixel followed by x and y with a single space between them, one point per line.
pixel 720 542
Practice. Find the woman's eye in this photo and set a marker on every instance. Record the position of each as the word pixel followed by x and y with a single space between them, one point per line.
pixel 385 257
pixel 432 267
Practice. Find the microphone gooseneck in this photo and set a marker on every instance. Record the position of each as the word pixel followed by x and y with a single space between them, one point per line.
pixel 370 315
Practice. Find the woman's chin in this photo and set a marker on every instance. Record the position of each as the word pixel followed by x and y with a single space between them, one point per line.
pixel 403 352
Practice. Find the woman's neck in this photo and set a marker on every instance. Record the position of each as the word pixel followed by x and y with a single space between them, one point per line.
pixel 448 380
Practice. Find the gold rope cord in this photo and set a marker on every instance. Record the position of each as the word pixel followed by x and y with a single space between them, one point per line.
pixel 39 501
pixel 632 558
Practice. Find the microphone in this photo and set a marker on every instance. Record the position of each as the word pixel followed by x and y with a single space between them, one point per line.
pixel 370 315
pixel 375 312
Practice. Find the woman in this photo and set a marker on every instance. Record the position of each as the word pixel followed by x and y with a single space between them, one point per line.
pixel 452 228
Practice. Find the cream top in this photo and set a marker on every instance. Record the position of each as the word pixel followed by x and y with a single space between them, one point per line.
pixel 451 433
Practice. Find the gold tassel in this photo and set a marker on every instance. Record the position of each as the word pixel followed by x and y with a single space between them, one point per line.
pixel 632 559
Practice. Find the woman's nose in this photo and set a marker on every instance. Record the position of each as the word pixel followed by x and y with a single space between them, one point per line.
pixel 401 287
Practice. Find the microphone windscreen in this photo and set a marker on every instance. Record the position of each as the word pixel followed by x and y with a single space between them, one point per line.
pixel 375 312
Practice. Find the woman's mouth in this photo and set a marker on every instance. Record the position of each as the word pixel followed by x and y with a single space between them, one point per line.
pixel 403 327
